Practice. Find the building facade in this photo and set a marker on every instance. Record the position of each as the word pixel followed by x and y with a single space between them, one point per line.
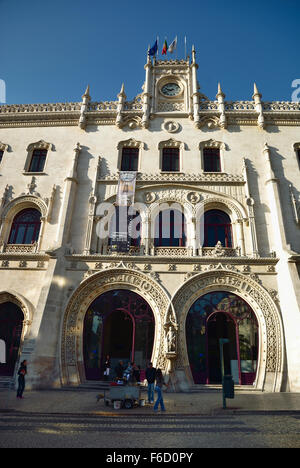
pixel 217 250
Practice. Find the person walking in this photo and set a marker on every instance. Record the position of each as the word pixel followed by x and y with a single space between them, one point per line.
pixel 159 389
pixel 150 376
pixel 106 368
pixel 21 379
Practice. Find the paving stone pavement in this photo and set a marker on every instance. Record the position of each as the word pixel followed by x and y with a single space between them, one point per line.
pixel 202 403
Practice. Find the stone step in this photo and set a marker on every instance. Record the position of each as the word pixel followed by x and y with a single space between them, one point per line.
pixel 6 382
pixel 218 388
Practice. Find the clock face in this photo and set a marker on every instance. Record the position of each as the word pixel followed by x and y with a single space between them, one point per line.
pixel 171 89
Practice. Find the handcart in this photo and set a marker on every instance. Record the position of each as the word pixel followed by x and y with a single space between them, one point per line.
pixel 123 396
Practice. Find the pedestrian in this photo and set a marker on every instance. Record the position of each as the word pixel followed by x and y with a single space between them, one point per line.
pixel 106 368
pixel 159 389
pixel 119 369
pixel 128 372
pixel 136 372
pixel 150 376
pixel 21 379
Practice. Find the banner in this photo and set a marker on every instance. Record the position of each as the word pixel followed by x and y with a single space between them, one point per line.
pixel 126 188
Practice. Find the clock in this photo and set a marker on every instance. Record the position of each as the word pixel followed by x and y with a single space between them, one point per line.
pixel 171 89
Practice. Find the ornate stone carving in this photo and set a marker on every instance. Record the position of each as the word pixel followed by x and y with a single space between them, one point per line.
pixel 272 351
pixel 171 126
pixel 88 291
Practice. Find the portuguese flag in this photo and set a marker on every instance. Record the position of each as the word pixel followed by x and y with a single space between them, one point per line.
pixel 165 48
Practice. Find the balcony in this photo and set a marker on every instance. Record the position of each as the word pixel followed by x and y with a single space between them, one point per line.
pixel 20 248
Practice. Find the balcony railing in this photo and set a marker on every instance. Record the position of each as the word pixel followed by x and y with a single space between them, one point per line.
pixel 20 248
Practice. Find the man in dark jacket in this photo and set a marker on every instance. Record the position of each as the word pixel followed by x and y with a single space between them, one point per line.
pixel 119 369
pixel 150 376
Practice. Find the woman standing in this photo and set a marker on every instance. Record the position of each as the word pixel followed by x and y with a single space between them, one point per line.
pixel 21 380
pixel 159 389
pixel 106 368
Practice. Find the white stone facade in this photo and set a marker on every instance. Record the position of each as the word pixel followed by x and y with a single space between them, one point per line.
pixel 55 279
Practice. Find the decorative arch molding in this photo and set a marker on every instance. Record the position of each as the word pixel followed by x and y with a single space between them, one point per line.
pixel 212 144
pixel 72 365
pixel 171 143
pixel 271 350
pixel 130 143
pixel 41 144
pixel 23 304
pixel 231 206
pixel 14 207
pixel 23 202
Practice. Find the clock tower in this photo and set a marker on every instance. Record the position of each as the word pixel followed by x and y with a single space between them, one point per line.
pixel 171 88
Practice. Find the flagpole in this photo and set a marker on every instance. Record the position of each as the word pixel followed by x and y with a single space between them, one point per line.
pixel 185 47
pixel 176 47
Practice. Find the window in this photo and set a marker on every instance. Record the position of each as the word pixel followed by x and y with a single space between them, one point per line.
pixel 211 160
pixel 217 228
pixel 1 155
pixel 170 229
pixel 170 159
pixel 130 159
pixel 38 160
pixel 125 229
pixel 26 227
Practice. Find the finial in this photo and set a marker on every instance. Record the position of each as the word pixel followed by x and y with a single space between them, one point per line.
pixel 220 92
pixel 256 92
pixel 193 54
pixel 122 92
pixel 87 92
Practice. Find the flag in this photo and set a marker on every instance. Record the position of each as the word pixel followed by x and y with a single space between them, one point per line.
pixel 165 48
pixel 153 49
pixel 172 46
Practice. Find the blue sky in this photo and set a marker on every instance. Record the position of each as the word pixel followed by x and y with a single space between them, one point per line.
pixel 51 50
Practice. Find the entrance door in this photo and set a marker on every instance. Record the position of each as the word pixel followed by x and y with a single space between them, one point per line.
pixel 216 315
pixel 221 326
pixel 120 324
pixel 11 325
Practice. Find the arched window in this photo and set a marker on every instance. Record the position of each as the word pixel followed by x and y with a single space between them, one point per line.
pixel 124 228
pixel 170 229
pixel 25 227
pixel 217 227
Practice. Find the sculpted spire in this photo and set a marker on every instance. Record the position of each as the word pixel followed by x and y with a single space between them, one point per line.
pixel 221 106
pixel 258 107
pixel 84 107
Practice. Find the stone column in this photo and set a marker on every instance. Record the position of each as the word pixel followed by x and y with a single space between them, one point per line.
pixel 258 107
pixel 240 236
pixel 147 94
pixel 84 107
pixel 195 94
pixel 69 193
pixel 120 106
pixel 221 106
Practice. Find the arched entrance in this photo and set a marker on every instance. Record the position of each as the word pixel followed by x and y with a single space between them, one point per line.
pixel 11 326
pixel 216 315
pixel 121 324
